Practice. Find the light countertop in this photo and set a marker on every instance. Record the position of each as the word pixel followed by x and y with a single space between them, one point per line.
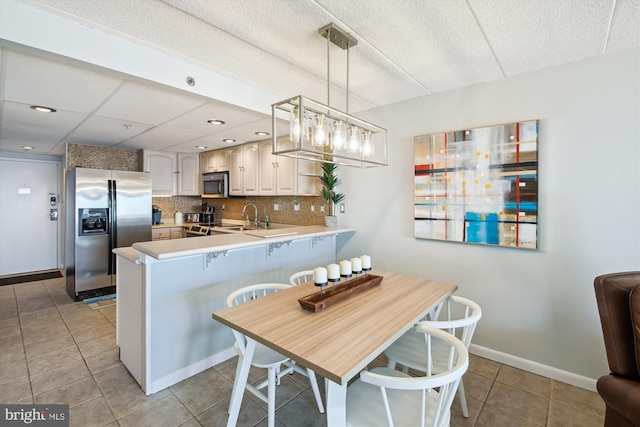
pixel 177 248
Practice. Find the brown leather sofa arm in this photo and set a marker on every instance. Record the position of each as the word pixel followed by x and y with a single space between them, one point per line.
pixel 622 397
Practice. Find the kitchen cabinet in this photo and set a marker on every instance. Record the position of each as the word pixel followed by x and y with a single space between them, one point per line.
pixel 280 175
pixel 215 161
pixel 172 174
pixel 243 170
pixel 188 175
pixel 166 233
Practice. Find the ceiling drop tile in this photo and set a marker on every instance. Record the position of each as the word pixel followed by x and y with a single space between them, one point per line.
pixel 148 103
pixel 36 80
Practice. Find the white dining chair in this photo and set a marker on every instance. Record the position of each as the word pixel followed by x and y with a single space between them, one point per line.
pixel 264 357
pixel 301 277
pixel 459 316
pixel 385 396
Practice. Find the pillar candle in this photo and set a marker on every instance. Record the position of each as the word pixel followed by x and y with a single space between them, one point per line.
pixel 366 262
pixel 356 265
pixel 345 268
pixel 320 276
pixel 333 272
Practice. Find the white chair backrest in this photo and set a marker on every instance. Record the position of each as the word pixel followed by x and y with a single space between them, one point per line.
pixel 437 391
pixel 301 277
pixel 459 316
pixel 248 293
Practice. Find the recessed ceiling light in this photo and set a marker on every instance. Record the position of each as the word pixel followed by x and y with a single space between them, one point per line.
pixel 262 133
pixel 229 140
pixel 201 147
pixel 43 109
pixel 215 122
pixel 27 147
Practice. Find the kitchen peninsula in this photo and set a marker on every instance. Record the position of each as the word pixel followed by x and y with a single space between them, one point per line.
pixel 167 290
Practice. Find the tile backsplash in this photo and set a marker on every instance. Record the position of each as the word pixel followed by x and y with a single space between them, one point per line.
pixel 309 208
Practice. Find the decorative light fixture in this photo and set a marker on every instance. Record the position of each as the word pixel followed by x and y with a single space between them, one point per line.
pixel 321 133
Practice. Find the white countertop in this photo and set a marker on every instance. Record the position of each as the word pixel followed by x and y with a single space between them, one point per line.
pixel 177 248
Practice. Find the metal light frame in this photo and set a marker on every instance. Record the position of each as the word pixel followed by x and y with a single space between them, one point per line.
pixel 311 132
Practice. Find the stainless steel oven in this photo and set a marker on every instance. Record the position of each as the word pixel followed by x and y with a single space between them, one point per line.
pixel 195 230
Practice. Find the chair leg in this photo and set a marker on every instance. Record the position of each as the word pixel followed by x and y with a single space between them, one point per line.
pixel 391 364
pixel 271 397
pixel 463 400
pixel 316 390
pixel 235 378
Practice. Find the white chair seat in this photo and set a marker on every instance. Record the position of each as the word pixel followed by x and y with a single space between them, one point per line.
pixel 265 357
pixel 387 397
pixel 460 318
pixel 404 405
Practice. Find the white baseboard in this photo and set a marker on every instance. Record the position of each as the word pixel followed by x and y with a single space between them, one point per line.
pixel 534 367
pixel 189 371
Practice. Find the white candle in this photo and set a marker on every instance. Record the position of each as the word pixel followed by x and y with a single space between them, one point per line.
pixel 345 268
pixel 366 262
pixel 356 265
pixel 333 272
pixel 320 275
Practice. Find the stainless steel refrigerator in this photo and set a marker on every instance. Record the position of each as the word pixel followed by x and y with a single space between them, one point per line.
pixel 104 210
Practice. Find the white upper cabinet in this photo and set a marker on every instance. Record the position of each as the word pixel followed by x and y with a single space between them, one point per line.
pixel 277 173
pixel 215 161
pixel 188 175
pixel 172 174
pixel 254 171
pixel 243 170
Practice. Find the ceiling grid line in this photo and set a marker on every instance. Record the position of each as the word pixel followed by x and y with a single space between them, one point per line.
pixel 608 33
pixel 363 40
pixel 486 38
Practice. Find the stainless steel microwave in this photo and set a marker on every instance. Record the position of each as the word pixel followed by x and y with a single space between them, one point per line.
pixel 215 185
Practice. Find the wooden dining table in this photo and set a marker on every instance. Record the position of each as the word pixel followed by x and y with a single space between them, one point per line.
pixel 336 342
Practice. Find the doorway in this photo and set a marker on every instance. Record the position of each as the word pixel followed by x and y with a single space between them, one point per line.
pixel 29 204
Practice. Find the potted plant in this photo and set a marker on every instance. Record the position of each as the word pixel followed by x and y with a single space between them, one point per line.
pixel 330 181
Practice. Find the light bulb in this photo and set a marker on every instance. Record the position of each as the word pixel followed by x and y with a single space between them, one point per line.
pixel 367 145
pixel 353 142
pixel 294 126
pixel 339 136
pixel 319 136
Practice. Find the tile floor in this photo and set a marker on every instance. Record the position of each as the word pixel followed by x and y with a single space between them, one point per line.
pixel 53 350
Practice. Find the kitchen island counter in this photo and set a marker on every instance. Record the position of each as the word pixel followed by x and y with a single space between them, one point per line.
pixel 232 240
pixel 167 290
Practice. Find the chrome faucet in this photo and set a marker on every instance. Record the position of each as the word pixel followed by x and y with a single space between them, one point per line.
pixel 255 214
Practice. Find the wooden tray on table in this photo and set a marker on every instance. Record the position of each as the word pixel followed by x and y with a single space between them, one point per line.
pixel 342 290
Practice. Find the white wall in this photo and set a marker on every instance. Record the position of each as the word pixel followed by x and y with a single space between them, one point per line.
pixel 537 305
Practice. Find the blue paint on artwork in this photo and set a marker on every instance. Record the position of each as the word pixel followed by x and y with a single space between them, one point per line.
pixel 482 228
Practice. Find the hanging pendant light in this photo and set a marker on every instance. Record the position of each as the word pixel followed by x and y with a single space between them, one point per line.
pixel 321 133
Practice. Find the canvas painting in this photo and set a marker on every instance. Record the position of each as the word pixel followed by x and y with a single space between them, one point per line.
pixel 478 185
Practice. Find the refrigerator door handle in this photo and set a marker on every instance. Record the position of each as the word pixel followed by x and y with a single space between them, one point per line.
pixel 113 208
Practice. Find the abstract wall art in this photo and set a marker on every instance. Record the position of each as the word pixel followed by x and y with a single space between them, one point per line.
pixel 478 185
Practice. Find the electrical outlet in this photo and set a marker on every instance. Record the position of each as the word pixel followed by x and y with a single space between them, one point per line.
pixel 276 207
pixel 223 206
pixel 321 208
pixel 341 207
pixel 296 207
pixel 313 208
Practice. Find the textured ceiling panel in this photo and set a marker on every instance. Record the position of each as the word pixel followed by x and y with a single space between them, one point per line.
pixel 625 26
pixel 33 80
pixel 530 35
pixel 406 49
